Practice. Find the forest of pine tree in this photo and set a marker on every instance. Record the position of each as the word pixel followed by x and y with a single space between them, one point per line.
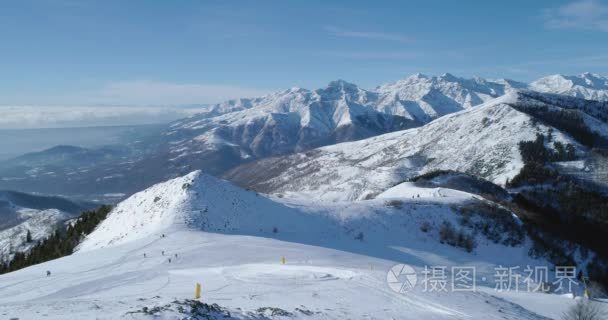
pixel 61 243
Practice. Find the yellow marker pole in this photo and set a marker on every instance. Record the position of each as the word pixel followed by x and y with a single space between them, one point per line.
pixel 282 260
pixel 586 293
pixel 197 291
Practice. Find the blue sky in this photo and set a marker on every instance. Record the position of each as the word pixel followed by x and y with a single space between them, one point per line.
pixel 71 52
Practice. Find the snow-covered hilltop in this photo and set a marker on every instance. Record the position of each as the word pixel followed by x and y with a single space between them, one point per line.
pixel 587 85
pixel 424 98
pixel 268 258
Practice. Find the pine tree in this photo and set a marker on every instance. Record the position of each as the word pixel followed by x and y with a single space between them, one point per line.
pixel 60 243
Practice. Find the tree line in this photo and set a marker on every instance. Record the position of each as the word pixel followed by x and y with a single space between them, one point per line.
pixel 60 243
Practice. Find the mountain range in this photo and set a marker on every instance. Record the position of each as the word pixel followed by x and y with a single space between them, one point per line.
pixel 241 131
pixel 483 141
pixel 331 198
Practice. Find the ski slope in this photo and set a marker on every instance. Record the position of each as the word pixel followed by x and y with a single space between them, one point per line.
pixel 234 241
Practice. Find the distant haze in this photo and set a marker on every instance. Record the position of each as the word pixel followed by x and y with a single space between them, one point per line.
pixel 15 142
pixel 35 117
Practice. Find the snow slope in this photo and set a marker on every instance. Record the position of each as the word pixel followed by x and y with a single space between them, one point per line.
pixel 482 141
pixel 282 122
pixel 587 85
pixel 232 241
pixel 299 119
pixel 20 213
pixel 424 98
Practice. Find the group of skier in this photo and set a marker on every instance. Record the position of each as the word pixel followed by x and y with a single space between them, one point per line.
pixel 163 252
pixel 48 272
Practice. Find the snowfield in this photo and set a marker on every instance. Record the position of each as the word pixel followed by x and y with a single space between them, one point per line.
pixel 268 258
pixel 587 85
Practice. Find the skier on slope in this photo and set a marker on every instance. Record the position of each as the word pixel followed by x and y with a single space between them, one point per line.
pixel 48 273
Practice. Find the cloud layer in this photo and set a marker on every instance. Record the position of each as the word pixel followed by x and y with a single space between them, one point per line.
pixel 29 117
pixel 152 92
pixel 122 103
pixel 581 15
pixel 339 32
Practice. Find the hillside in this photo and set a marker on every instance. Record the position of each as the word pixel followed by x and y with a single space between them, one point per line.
pixel 587 85
pixel 154 246
pixel 240 131
pixel 483 141
pixel 39 216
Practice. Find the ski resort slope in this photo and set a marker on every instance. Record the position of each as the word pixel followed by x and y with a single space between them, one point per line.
pixel 264 258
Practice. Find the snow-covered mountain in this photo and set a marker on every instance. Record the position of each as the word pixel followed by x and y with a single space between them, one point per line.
pixel 235 132
pixel 283 122
pixel 299 119
pixel 424 98
pixel 259 257
pixel 483 141
pixel 22 213
pixel 589 86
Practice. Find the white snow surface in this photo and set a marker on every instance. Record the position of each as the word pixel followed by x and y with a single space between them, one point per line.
pixel 40 224
pixel 19 217
pixel 409 190
pixel 232 242
pixel 483 141
pixel 299 119
pixel 425 97
pixel 587 85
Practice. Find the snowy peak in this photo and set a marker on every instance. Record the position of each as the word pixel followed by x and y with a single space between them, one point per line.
pixel 424 98
pixel 342 85
pixel 481 141
pixel 147 212
pixel 194 201
pixel 587 85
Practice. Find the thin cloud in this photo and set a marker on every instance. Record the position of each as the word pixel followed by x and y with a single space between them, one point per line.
pixel 339 32
pixel 120 103
pixel 29 117
pixel 369 55
pixel 152 92
pixel 578 15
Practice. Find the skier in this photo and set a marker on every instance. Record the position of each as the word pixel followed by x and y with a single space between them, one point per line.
pixel 144 254
pixel 48 273
pixel 176 256
pixel 162 252
pixel 169 260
